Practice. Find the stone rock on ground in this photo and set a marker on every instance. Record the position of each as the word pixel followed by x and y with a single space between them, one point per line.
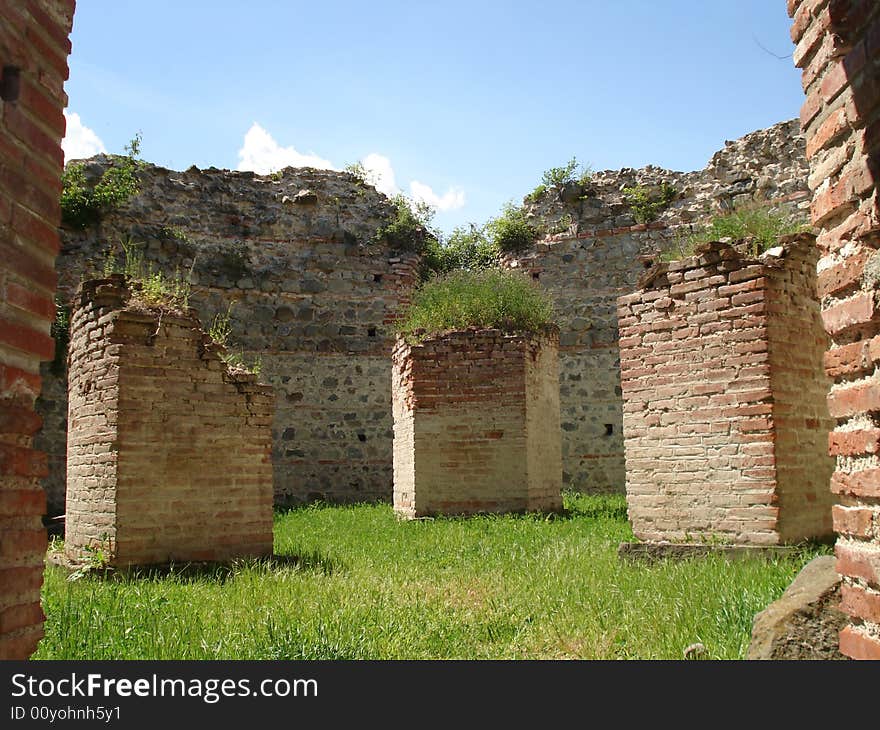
pixel 805 622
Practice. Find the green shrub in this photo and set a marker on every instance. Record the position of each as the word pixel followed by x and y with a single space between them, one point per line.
pixel 649 202
pixel 557 177
pixel 82 205
pixel 410 226
pixel 220 331
pixel 150 288
pixel 511 231
pixel 753 228
pixel 490 298
pixel 467 247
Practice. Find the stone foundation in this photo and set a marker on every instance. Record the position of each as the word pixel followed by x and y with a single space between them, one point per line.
pixel 168 451
pixel 725 417
pixel 476 424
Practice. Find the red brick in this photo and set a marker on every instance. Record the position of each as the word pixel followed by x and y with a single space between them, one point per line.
pixel 858 562
pixel 859 603
pixel 18 382
pixel 857 645
pixel 30 301
pixel 854 399
pixel 57 34
pixel 864 483
pixel 851 359
pixel 829 203
pixel 27 265
pixel 854 443
pixel 20 580
pixel 848 230
pixel 802 17
pixel 853 521
pixel 27 340
pixel 18 420
pixel 41 106
pixel 833 126
pixel 853 313
pixel 21 461
pixel 20 502
pixel 34 136
pixel 842 277
pixel 21 644
pixel 48 53
pixel 811 38
pixel 19 617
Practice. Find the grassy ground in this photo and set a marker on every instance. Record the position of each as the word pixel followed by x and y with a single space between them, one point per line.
pixel 354 583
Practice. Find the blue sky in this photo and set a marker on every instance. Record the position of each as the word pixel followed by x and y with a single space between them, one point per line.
pixel 463 104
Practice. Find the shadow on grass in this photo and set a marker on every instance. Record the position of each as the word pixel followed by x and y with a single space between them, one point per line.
pixel 217 572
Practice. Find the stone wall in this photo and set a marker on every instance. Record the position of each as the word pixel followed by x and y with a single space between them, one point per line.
pixel 724 398
pixel 168 449
pixel 476 424
pixel 584 276
pixel 313 297
pixel 838 48
pixel 766 167
pixel 599 253
pixel 33 55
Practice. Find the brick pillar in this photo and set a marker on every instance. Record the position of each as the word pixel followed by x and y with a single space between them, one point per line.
pixel 33 58
pixel 838 48
pixel 476 424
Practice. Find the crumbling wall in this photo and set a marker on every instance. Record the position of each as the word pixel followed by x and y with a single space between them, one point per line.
pixel 476 424
pixel 766 167
pixel 168 449
pixel 313 297
pixel 724 398
pixel 33 54
pixel 838 48
pixel 595 251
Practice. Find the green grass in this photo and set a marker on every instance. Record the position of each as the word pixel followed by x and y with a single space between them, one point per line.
pixel 753 228
pixel 490 298
pixel 354 583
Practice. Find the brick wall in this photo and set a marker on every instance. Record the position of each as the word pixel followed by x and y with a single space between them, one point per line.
pixel 838 48
pixel 168 451
pixel 476 424
pixel 724 398
pixel 34 43
pixel 313 295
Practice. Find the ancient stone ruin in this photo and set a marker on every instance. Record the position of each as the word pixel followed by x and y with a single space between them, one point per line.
pixel 324 335
pixel 725 420
pixel 595 250
pixel 168 450
pixel 837 48
pixel 313 295
pixel 476 424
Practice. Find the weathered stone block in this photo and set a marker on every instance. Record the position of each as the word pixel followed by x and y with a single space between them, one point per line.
pixel 806 621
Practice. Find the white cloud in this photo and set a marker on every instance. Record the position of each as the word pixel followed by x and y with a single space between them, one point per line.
pixel 452 199
pixel 262 154
pixel 380 174
pixel 80 141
